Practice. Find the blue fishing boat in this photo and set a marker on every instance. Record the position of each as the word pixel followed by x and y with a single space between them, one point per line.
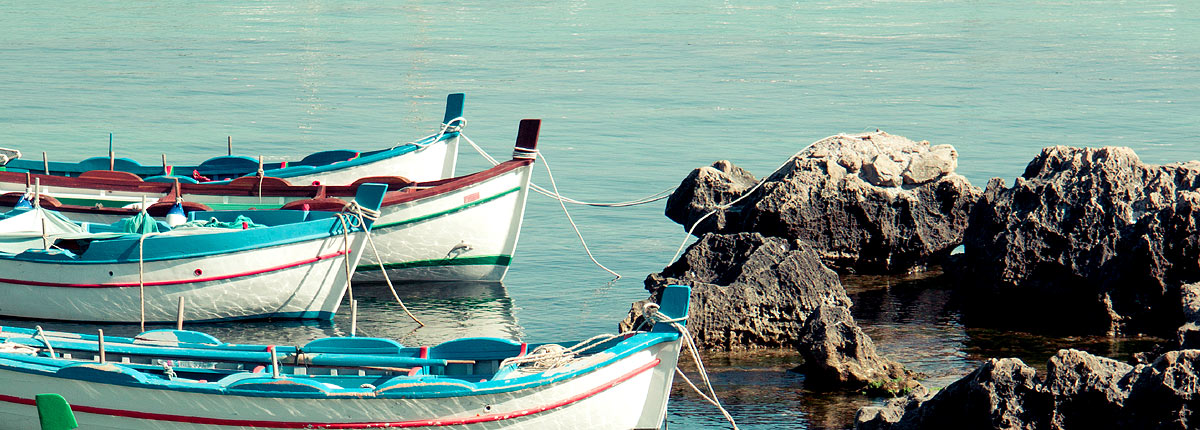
pixel 223 264
pixel 189 380
pixel 426 159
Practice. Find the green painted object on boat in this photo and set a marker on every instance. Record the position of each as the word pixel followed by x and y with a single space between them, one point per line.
pixel 54 412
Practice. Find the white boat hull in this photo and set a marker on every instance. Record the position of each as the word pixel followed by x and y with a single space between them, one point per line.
pixel 631 393
pixel 298 280
pixel 469 234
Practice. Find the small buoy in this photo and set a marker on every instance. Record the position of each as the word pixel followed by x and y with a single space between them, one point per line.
pixel 175 216
pixel 24 203
pixel 245 225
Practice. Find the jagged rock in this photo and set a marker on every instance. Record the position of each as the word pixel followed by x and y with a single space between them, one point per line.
pixel 1188 336
pixel 1165 394
pixel 882 172
pixel 928 166
pixel 1001 394
pixel 1081 391
pixel 845 197
pixel 703 190
pixel 1095 228
pixel 750 291
pixel 886 416
pixel 835 349
pixel 1087 389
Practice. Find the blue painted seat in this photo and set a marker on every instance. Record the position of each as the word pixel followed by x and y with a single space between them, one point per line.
pixel 324 158
pixel 228 164
pixel 476 348
pixel 105 373
pixel 353 345
pixel 177 336
pixel 425 384
pixel 101 163
pixel 281 385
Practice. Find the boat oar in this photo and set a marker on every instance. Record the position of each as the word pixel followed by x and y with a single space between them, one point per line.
pixel 54 412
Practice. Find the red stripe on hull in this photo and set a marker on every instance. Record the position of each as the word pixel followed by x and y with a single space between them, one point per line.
pixel 363 425
pixel 175 282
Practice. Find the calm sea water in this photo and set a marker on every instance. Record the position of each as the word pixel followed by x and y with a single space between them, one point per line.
pixel 633 95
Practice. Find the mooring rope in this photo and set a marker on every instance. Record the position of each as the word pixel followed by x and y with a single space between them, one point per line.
pixel 451 126
pixel 746 194
pixel 362 212
pixel 651 310
pixel 554 195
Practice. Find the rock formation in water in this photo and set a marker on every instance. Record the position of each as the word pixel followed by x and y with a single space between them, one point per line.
pixel 1094 228
pixel 705 189
pixel 871 202
pixel 1080 391
pixel 751 291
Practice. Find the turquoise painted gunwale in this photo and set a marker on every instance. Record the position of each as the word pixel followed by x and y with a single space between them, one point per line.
pixel 132 166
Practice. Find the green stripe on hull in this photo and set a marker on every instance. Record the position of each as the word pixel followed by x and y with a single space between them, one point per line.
pixel 423 218
pixel 490 260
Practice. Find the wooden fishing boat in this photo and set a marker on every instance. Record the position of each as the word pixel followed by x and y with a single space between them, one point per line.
pixel 426 159
pixel 270 264
pixel 456 229
pixel 188 380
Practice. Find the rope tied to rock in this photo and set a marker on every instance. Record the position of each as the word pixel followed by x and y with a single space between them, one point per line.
pixel 749 192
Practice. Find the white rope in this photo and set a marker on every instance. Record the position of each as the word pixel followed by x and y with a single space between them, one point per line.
pixel 651 310
pixel 451 126
pixel 572 221
pixel 747 194
pixel 554 195
pixel 373 215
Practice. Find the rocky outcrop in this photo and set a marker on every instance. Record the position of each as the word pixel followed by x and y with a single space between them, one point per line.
pixel 750 291
pixel 836 349
pixel 1096 228
pixel 1080 391
pixel 871 202
pixel 705 189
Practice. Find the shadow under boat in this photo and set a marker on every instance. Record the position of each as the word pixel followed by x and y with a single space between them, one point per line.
pixel 450 310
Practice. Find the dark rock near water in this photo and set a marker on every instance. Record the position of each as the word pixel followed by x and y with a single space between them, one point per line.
pixel 1166 393
pixel 871 202
pixel 1080 391
pixel 1087 390
pixel 836 350
pixel 750 291
pixel 1094 228
pixel 705 189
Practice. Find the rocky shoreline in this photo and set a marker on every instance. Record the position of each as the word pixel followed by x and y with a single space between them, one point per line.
pixel 1086 241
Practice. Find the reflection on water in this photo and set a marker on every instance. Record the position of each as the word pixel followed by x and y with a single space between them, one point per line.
pixel 449 310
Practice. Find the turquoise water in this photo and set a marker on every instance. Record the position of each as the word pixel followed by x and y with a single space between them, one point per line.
pixel 633 96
